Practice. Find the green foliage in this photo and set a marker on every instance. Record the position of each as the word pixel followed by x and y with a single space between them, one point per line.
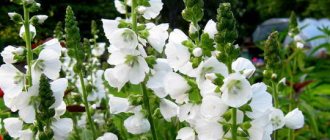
pixel 272 53
pixel 193 11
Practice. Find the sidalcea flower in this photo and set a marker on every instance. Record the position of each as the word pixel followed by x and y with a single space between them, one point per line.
pixel 209 130
pixel 120 6
pixel 62 128
pixel 210 28
pixel 153 10
pixel 41 18
pixel 109 26
pixel 177 87
pixel 294 119
pixel 212 107
pixel 168 109
pixel 137 124
pixel 33 32
pixel 178 56
pixel 11 80
pixel 14 127
pixel 261 100
pixel 118 104
pixel 99 49
pixel 156 81
pixel 124 38
pixel 206 73
pixel 186 133
pixel 108 136
pixel 157 36
pixel 236 90
pixel 277 118
pixel 48 61
pixel 129 66
pixel 9 52
pixel 190 113
pixel 243 66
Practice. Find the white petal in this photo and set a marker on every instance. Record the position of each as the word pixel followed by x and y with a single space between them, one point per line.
pixel 32 31
pixel 243 65
pixel 58 87
pixel 154 9
pixel 109 26
pixel 136 124
pixel 211 28
pixel 157 36
pixel 186 133
pixel 294 119
pixel 108 136
pixel 13 126
pixel 60 110
pixel 62 128
pixel 277 118
pixel 27 114
pixel 124 38
pixel 120 6
pixel 212 107
pixel 168 109
pixel 118 105
pixel 26 134
pixel 209 131
pixel 54 45
pixel 9 83
pixel 175 85
pixel 261 100
pixel 156 83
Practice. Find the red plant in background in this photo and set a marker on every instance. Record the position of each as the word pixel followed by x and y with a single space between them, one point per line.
pixel 1 137
pixel 1 95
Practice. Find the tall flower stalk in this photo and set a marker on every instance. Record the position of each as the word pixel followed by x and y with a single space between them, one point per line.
pixel 27 39
pixel 74 49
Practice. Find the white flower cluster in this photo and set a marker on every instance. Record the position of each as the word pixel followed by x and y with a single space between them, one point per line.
pixel 19 97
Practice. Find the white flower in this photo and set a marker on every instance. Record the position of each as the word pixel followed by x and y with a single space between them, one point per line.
pixel 41 18
pixel 178 55
pixel 168 109
pixel 158 36
pixel 137 124
pixel 33 32
pixel 12 14
pixel 236 90
pixel 261 100
pixel 118 105
pixel 11 80
pixel 197 52
pixel 205 74
pixel 192 28
pixel 109 26
pixel 294 119
pixel 156 81
pixel 176 86
pixel 277 118
pixel 8 54
pixel 243 66
pixel 108 136
pixel 189 113
pixel 210 28
pixel 120 6
pixel 186 133
pixel 58 87
pixel 152 11
pixel 60 110
pixel 62 128
pixel 124 38
pixel 300 45
pixel 212 107
pixel 129 66
pixel 13 126
pixel 99 49
pixel 209 130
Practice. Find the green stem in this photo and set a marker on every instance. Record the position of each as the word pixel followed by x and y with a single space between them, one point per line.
pixel 89 117
pixel 275 95
pixel 29 58
pixel 134 14
pixel 291 96
pixel 147 107
pixel 234 124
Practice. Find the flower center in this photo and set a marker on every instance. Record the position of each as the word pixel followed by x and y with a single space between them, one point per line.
pixel 131 59
pixel 234 86
pixel 128 35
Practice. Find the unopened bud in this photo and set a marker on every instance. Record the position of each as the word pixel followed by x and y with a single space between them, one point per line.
pixel 282 81
pixel 41 18
pixel 15 16
pixel 141 9
pixel 300 45
pixel 197 52
pixel 274 76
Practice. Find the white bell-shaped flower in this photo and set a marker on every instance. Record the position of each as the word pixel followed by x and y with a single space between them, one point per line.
pixel 156 81
pixel 177 87
pixel 189 113
pixel 168 109
pixel 33 32
pixel 118 104
pixel 120 6
pixel 212 107
pixel 236 90
pixel 261 100
pixel 137 124
pixel 153 10
pixel 244 66
pixel 294 119
pixel 109 26
pixel 124 38
pixel 157 36
pixel 99 49
pixel 62 128
pixel 8 54
pixel 209 130
pixel 108 136
pixel 11 80
pixel 211 28
pixel 13 126
pixel 58 87
pixel 277 118
pixel 186 133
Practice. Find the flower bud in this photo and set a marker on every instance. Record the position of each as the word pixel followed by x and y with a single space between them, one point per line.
pixel 41 18
pixel 15 17
pixel 197 52
pixel 300 45
pixel 274 76
pixel 282 81
pixel 141 9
